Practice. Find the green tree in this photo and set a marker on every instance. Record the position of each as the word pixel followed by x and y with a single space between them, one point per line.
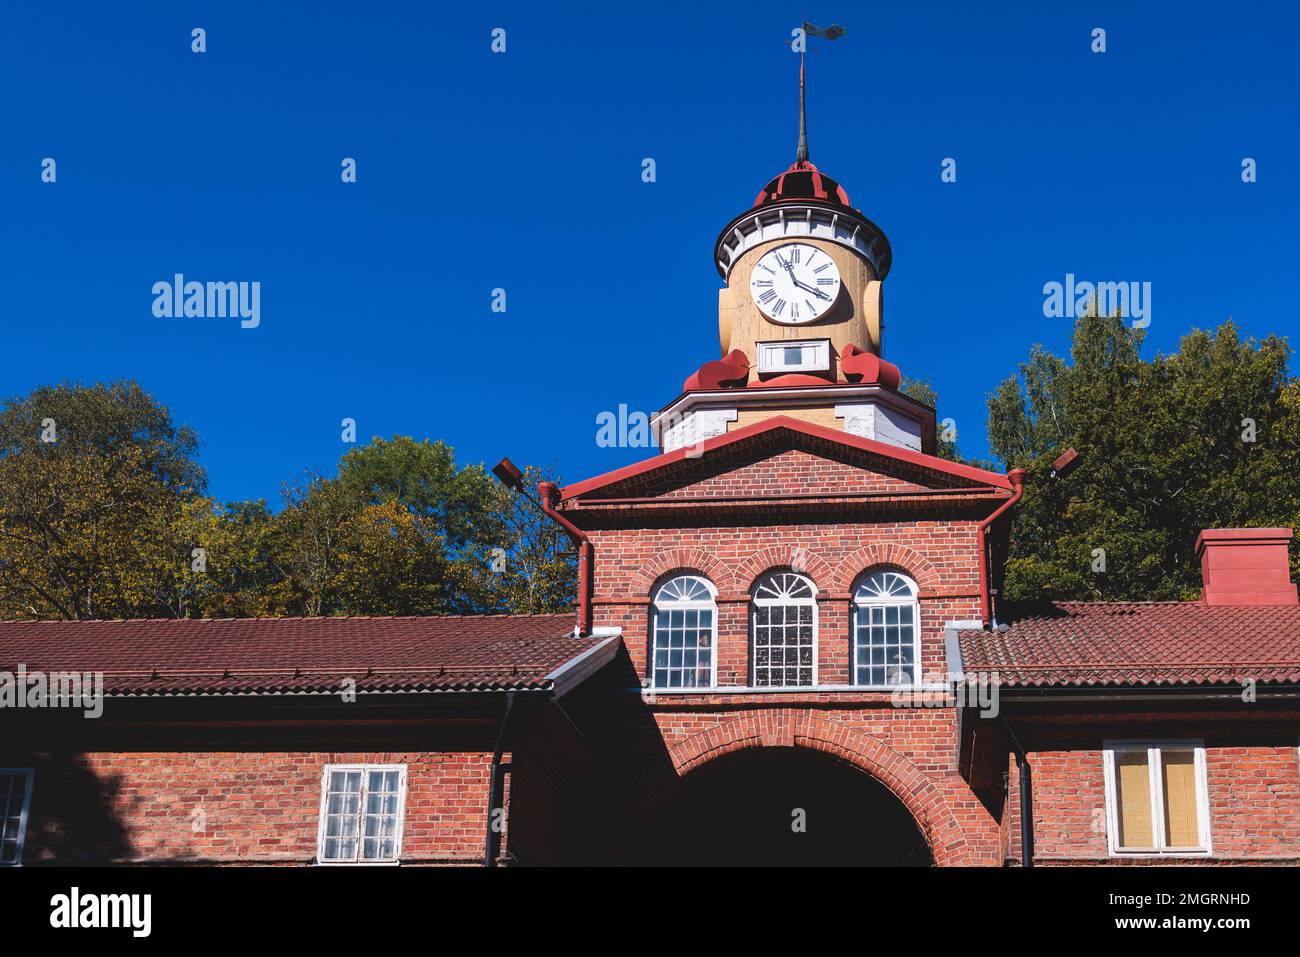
pixel 424 478
pixel 1206 437
pixel 244 577
pixel 531 568
pixel 92 479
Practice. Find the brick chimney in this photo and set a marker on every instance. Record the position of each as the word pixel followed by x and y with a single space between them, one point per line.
pixel 1245 566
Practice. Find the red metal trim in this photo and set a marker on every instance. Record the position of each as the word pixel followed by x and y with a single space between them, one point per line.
pixel 977 491
pixel 794 425
pixel 548 491
pixel 1017 479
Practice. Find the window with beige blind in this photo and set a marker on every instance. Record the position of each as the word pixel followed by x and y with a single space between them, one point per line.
pixel 1156 797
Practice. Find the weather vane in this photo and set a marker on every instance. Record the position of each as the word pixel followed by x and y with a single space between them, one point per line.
pixel 806 29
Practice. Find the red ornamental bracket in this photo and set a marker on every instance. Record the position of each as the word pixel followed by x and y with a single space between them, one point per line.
pixel 728 372
pixel 858 365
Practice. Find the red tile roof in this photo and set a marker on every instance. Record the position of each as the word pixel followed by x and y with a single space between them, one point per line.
pixel 1079 644
pixel 234 655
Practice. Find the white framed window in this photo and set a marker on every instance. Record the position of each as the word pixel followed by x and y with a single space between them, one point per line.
pixel 1157 799
pixel 794 355
pixel 783 631
pixel 361 812
pixel 15 799
pixel 683 651
pixel 886 631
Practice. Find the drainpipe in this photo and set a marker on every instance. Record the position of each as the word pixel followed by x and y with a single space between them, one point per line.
pixel 1017 477
pixel 1025 775
pixel 492 845
pixel 548 493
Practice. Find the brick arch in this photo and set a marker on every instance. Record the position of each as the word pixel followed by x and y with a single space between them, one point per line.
pixel 887 553
pixel 804 729
pixel 784 556
pixel 684 559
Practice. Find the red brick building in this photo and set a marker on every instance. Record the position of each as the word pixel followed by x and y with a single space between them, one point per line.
pixel 787 647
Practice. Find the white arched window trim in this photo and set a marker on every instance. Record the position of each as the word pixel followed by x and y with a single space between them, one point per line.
pixel 782 610
pixel 684 634
pixel 885 610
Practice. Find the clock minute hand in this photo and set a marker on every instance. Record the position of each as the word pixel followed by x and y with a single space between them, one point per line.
pixel 811 289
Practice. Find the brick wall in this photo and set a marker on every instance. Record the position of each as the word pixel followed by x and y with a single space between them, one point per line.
pixel 911 750
pixel 1253 790
pixel 940 556
pixel 236 807
pixel 224 797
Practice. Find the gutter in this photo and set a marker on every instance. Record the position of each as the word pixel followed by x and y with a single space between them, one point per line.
pixel 495 819
pixel 1026 785
pixel 549 492
pixel 577 669
pixel 957 675
pixel 1017 478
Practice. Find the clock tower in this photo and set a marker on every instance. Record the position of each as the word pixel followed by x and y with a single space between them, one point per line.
pixel 800 320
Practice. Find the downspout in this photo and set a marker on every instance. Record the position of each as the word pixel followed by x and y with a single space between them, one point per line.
pixel 1017 477
pixel 492 844
pixel 548 492
pixel 1026 785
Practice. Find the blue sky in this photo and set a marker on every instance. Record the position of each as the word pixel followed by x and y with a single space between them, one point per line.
pixel 522 171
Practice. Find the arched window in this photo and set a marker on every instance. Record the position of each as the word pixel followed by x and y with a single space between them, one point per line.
pixel 886 630
pixel 683 645
pixel 784 631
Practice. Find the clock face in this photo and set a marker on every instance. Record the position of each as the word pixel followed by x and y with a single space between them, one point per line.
pixel 794 283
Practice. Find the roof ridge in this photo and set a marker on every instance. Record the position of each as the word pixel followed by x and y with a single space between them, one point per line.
pixel 261 618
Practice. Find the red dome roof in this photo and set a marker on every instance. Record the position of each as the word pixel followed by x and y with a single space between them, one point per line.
pixel 804 182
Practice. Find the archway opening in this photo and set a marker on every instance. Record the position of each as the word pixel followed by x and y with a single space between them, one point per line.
pixel 783 806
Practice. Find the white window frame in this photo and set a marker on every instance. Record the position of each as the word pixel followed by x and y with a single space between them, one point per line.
pixel 656 604
pixel 769 353
pixel 324 807
pixel 29 778
pixel 1155 769
pixel 858 605
pixel 756 602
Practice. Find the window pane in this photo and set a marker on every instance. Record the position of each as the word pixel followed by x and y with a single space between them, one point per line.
pixel 13 794
pixel 1181 828
pixel 1133 800
pixel 884 635
pixel 682 646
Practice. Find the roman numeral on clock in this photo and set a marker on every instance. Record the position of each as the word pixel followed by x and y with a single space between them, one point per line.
pixel 762 282
pixel 794 255
pixel 794 310
pixel 825 282
pixel 821 267
pixel 768 297
pixel 779 307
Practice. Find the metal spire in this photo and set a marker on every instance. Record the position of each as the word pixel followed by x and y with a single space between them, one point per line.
pixel 801 154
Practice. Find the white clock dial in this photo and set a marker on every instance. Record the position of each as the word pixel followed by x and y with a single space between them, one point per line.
pixel 794 283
